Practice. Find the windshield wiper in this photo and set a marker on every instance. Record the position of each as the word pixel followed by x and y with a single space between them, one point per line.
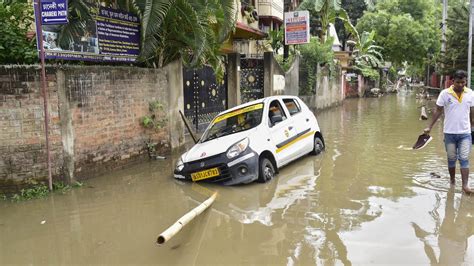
pixel 211 137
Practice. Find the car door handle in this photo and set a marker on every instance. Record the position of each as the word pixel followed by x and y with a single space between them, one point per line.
pixel 290 128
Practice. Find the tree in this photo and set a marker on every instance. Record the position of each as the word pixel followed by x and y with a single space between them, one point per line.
pixel 356 9
pixel 190 30
pixel 406 29
pixel 456 37
pixel 325 12
pixel 367 56
pixel 16 17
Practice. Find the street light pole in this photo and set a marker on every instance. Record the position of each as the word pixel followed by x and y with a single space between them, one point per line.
pixel 469 50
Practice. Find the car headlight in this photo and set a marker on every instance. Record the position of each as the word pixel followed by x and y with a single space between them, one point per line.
pixel 238 148
pixel 179 165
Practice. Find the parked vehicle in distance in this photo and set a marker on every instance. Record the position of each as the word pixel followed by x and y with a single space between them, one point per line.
pixel 252 141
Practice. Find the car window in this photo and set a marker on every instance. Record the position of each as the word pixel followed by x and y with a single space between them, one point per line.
pixel 275 110
pixel 235 121
pixel 292 106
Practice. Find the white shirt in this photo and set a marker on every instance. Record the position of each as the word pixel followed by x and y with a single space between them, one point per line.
pixel 456 110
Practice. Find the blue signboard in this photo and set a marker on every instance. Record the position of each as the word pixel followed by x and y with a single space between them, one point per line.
pixel 111 36
pixel 53 12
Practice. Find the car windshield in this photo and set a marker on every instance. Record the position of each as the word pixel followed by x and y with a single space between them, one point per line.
pixel 235 121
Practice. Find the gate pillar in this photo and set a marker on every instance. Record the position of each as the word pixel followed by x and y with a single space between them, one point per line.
pixel 267 74
pixel 233 79
pixel 176 103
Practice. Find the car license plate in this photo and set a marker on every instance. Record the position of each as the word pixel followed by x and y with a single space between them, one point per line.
pixel 205 174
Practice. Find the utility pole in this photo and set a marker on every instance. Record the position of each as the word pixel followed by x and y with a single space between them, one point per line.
pixel 443 38
pixel 286 48
pixel 469 50
pixel 44 91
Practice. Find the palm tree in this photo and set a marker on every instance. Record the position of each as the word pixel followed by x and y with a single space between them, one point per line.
pixel 366 54
pixel 190 30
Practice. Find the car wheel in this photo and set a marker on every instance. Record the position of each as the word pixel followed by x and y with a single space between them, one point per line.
pixel 266 170
pixel 318 145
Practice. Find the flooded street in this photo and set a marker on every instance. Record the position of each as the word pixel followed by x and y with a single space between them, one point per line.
pixel 368 199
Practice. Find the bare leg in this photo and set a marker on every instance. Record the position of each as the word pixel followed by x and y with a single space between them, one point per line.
pixel 465 179
pixel 452 174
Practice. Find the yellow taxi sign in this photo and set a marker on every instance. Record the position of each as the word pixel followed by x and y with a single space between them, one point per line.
pixel 238 112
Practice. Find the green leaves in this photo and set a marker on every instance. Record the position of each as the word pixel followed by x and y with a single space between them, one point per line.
pixel 367 56
pixel 457 37
pixel 407 29
pixel 312 55
pixel 189 30
pixel 15 21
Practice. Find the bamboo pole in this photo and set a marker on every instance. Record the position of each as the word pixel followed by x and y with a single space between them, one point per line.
pixel 185 219
pixel 187 126
pixel 423 115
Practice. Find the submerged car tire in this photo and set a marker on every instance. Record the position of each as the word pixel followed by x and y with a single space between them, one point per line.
pixel 266 170
pixel 318 145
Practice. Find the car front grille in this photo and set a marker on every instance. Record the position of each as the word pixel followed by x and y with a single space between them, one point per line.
pixel 211 162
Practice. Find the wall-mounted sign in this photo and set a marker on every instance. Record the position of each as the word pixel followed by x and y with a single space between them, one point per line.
pixel 53 12
pixel 297 27
pixel 111 36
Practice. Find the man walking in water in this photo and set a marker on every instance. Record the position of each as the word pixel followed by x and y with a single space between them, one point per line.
pixel 457 102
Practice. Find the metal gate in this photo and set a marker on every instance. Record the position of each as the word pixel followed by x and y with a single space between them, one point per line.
pixel 251 79
pixel 203 97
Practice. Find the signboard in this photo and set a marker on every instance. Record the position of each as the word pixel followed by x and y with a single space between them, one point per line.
pixel 53 12
pixel 111 36
pixel 297 27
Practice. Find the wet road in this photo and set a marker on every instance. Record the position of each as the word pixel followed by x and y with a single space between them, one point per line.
pixel 367 199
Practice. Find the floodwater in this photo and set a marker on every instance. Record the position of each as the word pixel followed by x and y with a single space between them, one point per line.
pixel 368 199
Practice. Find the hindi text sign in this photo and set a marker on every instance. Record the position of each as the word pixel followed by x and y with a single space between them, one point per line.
pixel 53 12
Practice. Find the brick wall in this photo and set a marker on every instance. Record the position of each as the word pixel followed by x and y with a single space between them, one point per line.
pixel 95 117
pixel 22 140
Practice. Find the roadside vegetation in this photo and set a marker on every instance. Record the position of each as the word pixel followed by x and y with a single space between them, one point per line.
pixel 16 45
pixel 39 190
pixel 408 30
pixel 403 32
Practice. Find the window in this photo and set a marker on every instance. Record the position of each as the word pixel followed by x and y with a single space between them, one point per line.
pixel 276 112
pixel 292 106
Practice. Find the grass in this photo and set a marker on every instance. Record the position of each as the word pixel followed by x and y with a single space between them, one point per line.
pixel 39 190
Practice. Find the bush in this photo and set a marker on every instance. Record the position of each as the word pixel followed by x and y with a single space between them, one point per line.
pixel 312 55
pixel 285 65
pixel 15 22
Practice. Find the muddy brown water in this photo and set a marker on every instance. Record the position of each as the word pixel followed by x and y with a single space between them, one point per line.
pixel 368 199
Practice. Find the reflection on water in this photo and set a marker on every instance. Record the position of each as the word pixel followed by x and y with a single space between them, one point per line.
pixel 368 198
pixel 447 242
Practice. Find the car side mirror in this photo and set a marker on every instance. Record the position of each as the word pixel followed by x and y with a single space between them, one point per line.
pixel 276 119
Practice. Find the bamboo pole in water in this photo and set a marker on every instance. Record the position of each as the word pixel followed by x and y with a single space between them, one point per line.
pixel 423 115
pixel 178 225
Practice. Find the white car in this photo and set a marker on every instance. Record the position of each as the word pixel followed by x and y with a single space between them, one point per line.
pixel 252 141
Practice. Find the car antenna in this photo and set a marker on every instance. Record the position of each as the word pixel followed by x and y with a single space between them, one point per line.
pixel 187 126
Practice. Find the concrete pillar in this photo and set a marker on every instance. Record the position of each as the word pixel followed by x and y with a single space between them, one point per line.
pixel 233 80
pixel 176 129
pixel 267 74
pixel 67 130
